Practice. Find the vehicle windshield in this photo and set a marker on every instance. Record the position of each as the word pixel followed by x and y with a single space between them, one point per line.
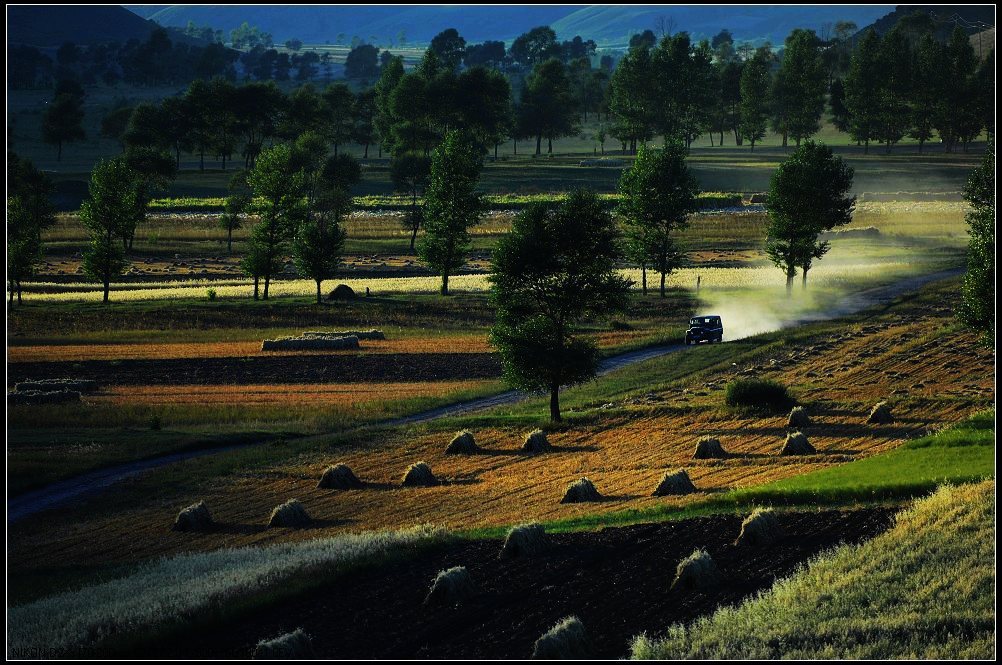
pixel 704 321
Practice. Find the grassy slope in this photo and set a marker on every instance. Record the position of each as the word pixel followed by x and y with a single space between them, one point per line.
pixel 924 589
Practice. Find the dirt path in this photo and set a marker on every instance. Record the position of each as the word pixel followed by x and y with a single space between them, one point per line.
pixel 59 493
pixel 617 581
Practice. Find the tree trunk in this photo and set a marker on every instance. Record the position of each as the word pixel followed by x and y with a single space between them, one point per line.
pixel 267 283
pixel 495 152
pixel 555 403
pixel 319 299
pixel 201 160
pixel 643 279
pixel 784 139
pixel 549 146
pixel 18 292
pixel 711 139
pixel 229 240
pixel 790 273
pixel 663 275
pixel 413 237
pixel 803 281
pixel 257 281
pixel 445 284
pixel 366 154
pixel 59 153
pixel 539 144
pixel 107 287
pixel 866 147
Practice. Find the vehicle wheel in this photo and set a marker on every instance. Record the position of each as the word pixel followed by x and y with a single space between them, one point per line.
pixel 688 342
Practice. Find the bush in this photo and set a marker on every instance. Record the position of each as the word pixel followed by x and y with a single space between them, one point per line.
pixel 211 294
pixel 291 646
pixel 758 394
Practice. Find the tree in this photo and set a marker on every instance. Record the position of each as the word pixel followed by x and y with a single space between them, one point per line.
pixel 29 213
pixel 452 205
pixel 862 90
pixel 154 170
pixel 115 123
pixel 535 46
pixel 682 88
pixel 799 87
pixel 108 213
pixel 836 100
pixel 631 97
pixel 339 125
pixel 484 106
pixel 237 204
pixel 362 63
pixel 410 173
pixel 384 119
pixel 896 64
pixel 279 204
pixel 257 107
pixel 364 112
pixel 547 109
pixel 450 47
pixel 977 306
pixel 657 195
pixel 808 195
pixel 294 44
pixel 926 89
pixel 62 122
pixel 556 267
pixel 755 97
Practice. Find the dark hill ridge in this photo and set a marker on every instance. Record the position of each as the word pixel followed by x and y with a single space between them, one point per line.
pixel 49 26
pixel 609 25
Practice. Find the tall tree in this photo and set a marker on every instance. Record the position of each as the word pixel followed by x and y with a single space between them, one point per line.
pixel 547 108
pixel 896 63
pixel 450 47
pixel 799 87
pixel 755 88
pixel 556 267
pixel 237 204
pixel 340 114
pixel 863 90
pixel 115 123
pixel 410 173
pixel 29 213
pixel 682 88
pixel 384 119
pixel 153 170
pixel 631 98
pixel 485 106
pixel 535 46
pixel 657 195
pixel 452 205
pixel 808 195
pixel 364 112
pixel 977 307
pixel 62 121
pixel 108 212
pixel 279 205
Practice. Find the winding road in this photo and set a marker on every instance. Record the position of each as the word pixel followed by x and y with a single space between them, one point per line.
pixel 64 491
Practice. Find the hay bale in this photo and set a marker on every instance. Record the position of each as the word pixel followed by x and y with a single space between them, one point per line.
pixel 462 444
pixel 758 197
pixel 339 477
pixel 342 292
pixel 880 414
pixel 195 517
pixel 760 528
pixel 296 645
pixel 536 442
pixel 581 491
pixel 567 640
pixel 419 475
pixel 524 540
pixel 325 343
pixel 798 418
pixel 696 571
pixel 361 334
pixel 53 385
pixel 797 444
pixel 450 587
pixel 708 447
pixel 290 514
pixel 675 483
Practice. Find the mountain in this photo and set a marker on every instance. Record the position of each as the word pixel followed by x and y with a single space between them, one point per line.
pixel 608 25
pixel 48 26
pixel 972 18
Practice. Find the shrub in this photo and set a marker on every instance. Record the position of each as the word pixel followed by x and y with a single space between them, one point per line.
pixel 708 447
pixel 758 394
pixel 195 517
pixel 450 587
pixel 880 414
pixel 797 444
pixel 155 423
pixel 290 514
pixel 211 294
pixel 567 640
pixel 798 418
pixel 296 645
pixel 536 442
pixel 760 528
pixel 581 491
pixel 419 475
pixel 696 571
pixel 524 540
pixel 675 483
pixel 339 477
pixel 462 444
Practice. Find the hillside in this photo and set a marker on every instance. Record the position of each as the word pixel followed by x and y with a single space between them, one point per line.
pixel 46 26
pixel 973 18
pixel 607 25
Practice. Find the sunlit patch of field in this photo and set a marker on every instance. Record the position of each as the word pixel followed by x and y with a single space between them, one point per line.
pixel 932 376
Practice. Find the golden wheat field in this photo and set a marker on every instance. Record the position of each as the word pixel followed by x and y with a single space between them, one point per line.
pixel 929 378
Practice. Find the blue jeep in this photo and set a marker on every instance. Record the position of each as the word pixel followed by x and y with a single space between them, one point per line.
pixel 704 329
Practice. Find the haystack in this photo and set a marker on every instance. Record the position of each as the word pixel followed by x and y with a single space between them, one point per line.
pixel 798 418
pixel 760 528
pixel 581 491
pixel 342 292
pixel 524 540
pixel 290 514
pixel 797 444
pixel 450 587
pixel 708 447
pixel 195 517
pixel 565 641
pixel 536 442
pixel 296 645
pixel 419 475
pixel 675 483
pixel 462 444
pixel 339 477
pixel 880 414
pixel 696 571
pixel 361 334
pixel 49 385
